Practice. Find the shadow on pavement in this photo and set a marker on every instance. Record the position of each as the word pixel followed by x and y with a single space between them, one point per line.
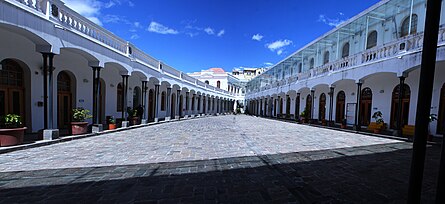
pixel 369 174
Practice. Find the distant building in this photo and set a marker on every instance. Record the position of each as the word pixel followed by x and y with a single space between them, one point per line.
pixel 221 79
pixel 247 73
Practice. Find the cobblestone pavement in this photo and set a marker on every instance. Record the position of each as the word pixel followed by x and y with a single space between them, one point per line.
pixel 225 159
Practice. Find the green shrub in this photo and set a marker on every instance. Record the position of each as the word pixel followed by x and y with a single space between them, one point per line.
pixel 81 114
pixel 10 121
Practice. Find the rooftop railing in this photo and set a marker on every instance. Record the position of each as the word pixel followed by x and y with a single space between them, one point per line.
pixel 409 44
pixel 57 12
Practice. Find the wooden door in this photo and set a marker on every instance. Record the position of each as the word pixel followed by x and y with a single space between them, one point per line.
pixel 365 112
pixel 181 106
pixel 395 106
pixel 308 107
pixel 340 107
pixel 64 108
pixel 172 110
pixel 151 106
pixel 322 107
pixel 3 101
pixel 365 106
pixel 16 102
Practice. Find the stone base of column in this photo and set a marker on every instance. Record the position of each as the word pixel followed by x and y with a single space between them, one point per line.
pixel 397 133
pixel 144 121
pixel 50 134
pixel 186 117
pixel 357 127
pixel 156 120
pixel 125 124
pixel 167 118
pixel 95 128
pixel 177 117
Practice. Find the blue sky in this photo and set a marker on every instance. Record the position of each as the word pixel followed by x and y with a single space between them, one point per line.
pixel 192 35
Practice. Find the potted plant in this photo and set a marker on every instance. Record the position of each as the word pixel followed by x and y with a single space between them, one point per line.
pixel 378 117
pixel 303 115
pixel 78 124
pixel 431 118
pixel 11 130
pixel 132 116
pixel 111 123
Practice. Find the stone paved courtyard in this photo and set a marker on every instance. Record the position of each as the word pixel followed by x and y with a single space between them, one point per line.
pixel 224 159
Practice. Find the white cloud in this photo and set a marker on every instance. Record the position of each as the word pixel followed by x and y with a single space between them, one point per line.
pixel 192 34
pixel 137 24
pixel 134 36
pixel 192 30
pixel 161 29
pixel 268 64
pixel 330 21
pixel 221 33
pixel 110 4
pixel 88 8
pixel 91 8
pixel 113 19
pixel 209 31
pixel 257 37
pixel 278 45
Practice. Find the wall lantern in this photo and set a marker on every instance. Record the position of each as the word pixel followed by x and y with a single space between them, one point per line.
pixel 382 91
pixel 85 80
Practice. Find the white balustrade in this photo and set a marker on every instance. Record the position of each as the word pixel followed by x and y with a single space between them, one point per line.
pixel 57 12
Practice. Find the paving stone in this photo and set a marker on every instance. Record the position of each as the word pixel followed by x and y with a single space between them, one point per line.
pixel 224 159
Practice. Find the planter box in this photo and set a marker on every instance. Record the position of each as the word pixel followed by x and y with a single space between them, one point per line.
pixel 78 128
pixel 13 136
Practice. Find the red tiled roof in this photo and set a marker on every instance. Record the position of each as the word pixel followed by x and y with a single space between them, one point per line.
pixel 217 70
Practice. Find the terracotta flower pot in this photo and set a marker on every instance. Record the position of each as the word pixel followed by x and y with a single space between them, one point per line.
pixel 78 128
pixel 111 126
pixel 13 136
pixel 134 120
pixel 377 131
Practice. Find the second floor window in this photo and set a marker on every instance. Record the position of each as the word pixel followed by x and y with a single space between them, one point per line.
pixel 311 63
pixel 372 40
pixel 326 57
pixel 345 50
pixel 218 84
pixel 405 26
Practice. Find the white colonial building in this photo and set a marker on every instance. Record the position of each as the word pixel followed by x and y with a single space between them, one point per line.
pixel 221 79
pixel 53 60
pixel 355 70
